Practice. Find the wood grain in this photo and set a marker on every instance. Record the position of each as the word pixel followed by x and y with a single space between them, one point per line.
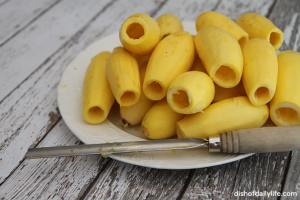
pixel 31 48
pixel 292 180
pixel 261 140
pixel 187 11
pixel 235 8
pixel 30 111
pixel 15 15
pixel 286 16
pixel 53 178
pixel 260 172
pixel 124 181
pixel 2 2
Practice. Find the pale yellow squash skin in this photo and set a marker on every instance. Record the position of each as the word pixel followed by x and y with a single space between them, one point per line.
pixel 221 56
pixel 258 26
pixel 191 92
pixel 123 76
pixel 97 95
pixel 212 18
pixel 228 115
pixel 139 34
pixel 285 105
pixel 260 71
pixel 160 121
pixel 226 93
pixel 172 56
pixel 168 24
pixel 134 114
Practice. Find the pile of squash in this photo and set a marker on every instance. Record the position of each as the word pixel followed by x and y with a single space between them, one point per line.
pixel 172 82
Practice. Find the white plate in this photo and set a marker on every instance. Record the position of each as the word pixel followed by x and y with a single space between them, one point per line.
pixel 112 129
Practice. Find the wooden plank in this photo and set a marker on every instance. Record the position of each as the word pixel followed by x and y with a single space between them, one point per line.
pixel 286 15
pixel 234 8
pixel 30 111
pixel 187 11
pixel 15 15
pixel 292 181
pixel 31 47
pixel 2 2
pixel 66 177
pixel 125 181
pixel 260 172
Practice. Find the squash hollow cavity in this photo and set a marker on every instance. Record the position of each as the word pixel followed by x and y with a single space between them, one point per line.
pixel 225 76
pixel 135 31
pixel 287 116
pixel 154 91
pixel 95 113
pixel 262 95
pixel 127 98
pixel 275 39
pixel 180 99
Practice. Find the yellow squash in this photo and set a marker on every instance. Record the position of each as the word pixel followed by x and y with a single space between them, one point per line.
pixel 258 26
pixel 228 115
pixel 191 92
pixel 172 56
pixel 212 18
pixel 123 76
pixel 168 24
pixel 139 34
pixel 134 114
pixel 160 121
pixel 285 106
pixel 97 95
pixel 260 71
pixel 226 93
pixel 221 56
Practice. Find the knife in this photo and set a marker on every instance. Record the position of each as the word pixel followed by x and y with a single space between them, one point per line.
pixel 258 140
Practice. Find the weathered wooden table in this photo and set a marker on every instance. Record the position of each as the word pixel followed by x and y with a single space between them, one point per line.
pixel 38 39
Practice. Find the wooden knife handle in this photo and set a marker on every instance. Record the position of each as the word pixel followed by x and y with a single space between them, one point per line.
pixel 261 140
